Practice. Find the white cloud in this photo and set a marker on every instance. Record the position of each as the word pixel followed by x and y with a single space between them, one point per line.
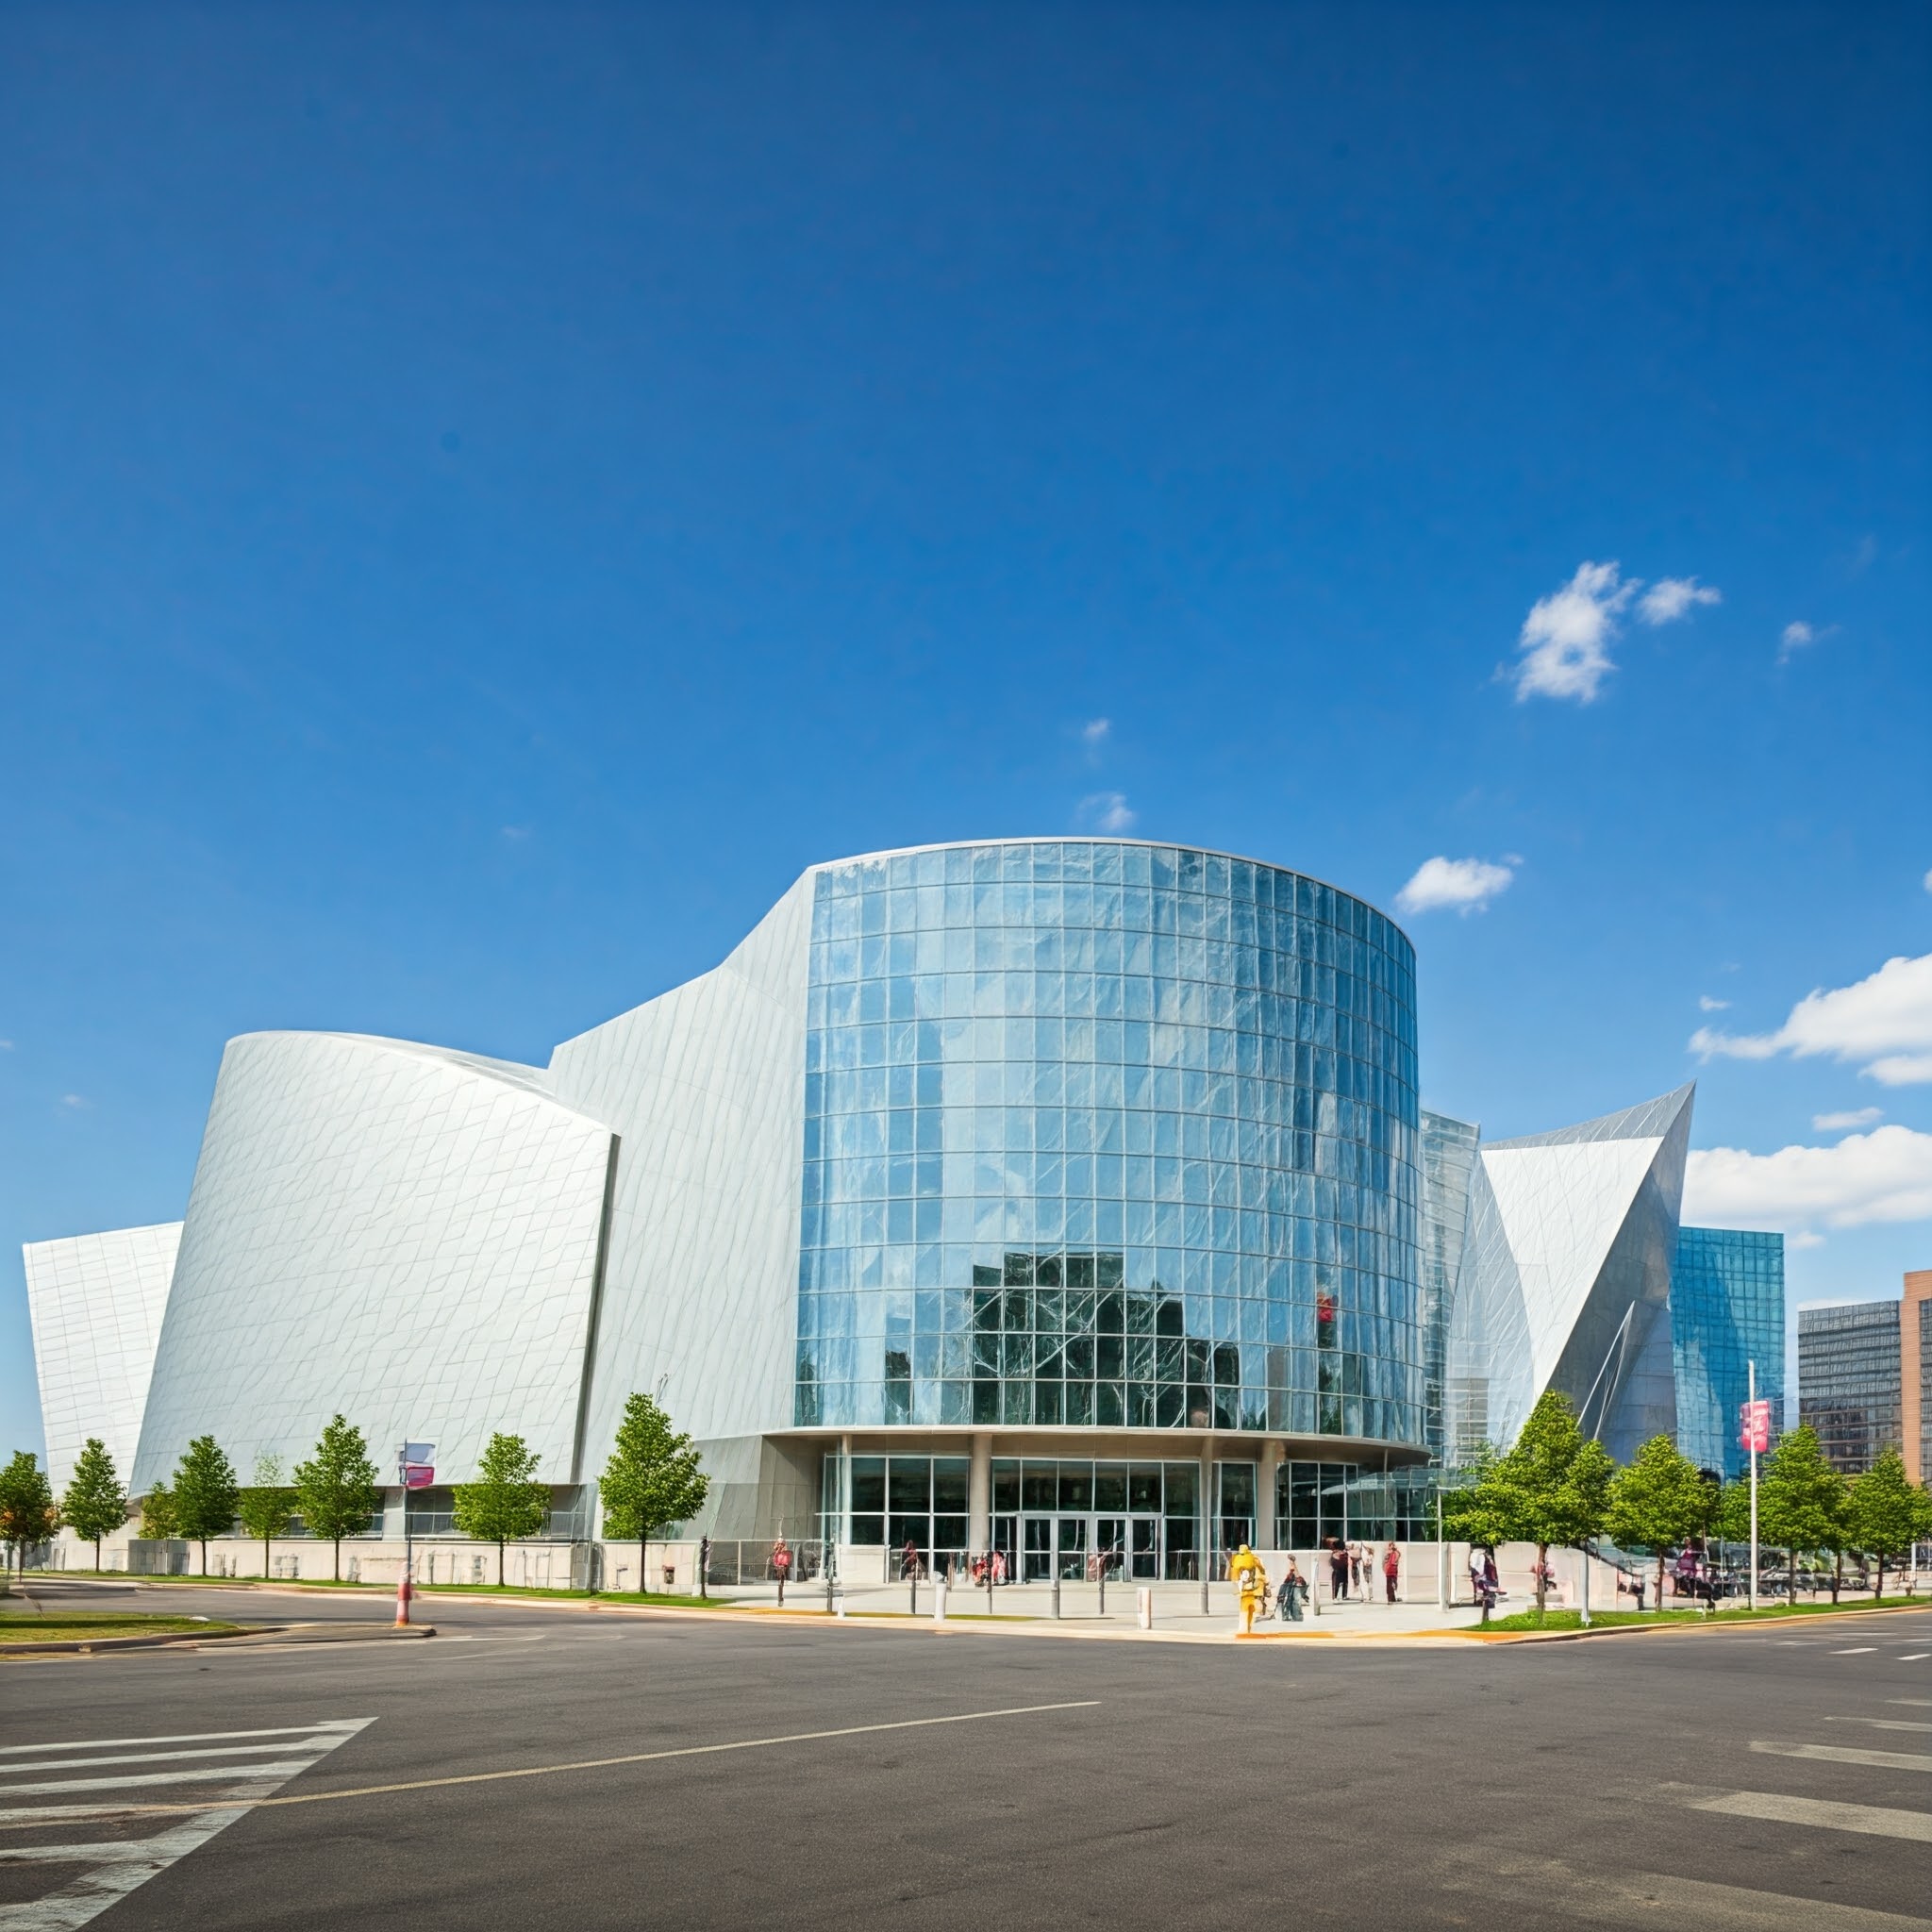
pixel 1844 1122
pixel 1929 888
pixel 1467 884
pixel 1566 636
pixel 1803 1238
pixel 1106 811
pixel 516 834
pixel 1885 1176
pixel 1707 1004
pixel 1671 598
pixel 6 1046
pixel 1093 733
pixel 1885 1020
pixel 75 1101
pixel 1794 637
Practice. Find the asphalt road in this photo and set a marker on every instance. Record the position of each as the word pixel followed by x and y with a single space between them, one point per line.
pixel 1769 1777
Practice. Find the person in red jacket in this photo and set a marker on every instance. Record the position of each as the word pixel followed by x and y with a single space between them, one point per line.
pixel 1391 1570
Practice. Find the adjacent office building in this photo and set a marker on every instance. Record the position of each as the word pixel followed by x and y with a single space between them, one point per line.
pixel 1863 1374
pixel 1042 1196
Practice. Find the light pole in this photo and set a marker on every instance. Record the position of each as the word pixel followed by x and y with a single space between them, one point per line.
pixel 1752 1437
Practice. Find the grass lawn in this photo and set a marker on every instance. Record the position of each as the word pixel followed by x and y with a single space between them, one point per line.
pixel 69 1626
pixel 1573 1619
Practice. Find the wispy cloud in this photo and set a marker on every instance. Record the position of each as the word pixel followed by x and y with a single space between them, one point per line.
pixel 1707 1004
pixel 1884 1020
pixel 1566 636
pixel 516 834
pixel 1844 1122
pixel 1885 1176
pixel 1795 636
pixel 1105 811
pixel 1466 884
pixel 1804 1238
pixel 1093 734
pixel 1929 888
pixel 6 1046
pixel 1671 598
pixel 77 1101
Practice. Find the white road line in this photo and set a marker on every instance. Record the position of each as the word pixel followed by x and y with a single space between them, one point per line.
pixel 1916 1657
pixel 1917 1702
pixel 1838 1753
pixel 116 1867
pixel 344 1725
pixel 1874 1820
pixel 325 1744
pixel 1857 1650
pixel 1883 1724
pixel 213 1774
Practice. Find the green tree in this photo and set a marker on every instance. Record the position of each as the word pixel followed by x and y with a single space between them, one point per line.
pixel 653 1479
pixel 336 1486
pixel 27 1515
pixel 157 1514
pixel 267 1506
pixel 1801 1499
pixel 94 1504
pixel 1659 1501
pixel 1552 1488
pixel 204 1493
pixel 1885 1512
pixel 506 1502
pixel 1479 1510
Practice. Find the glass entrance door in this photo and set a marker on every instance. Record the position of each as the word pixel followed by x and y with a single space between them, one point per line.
pixel 1038 1553
pixel 1072 1543
pixel 1110 1547
pixel 1143 1557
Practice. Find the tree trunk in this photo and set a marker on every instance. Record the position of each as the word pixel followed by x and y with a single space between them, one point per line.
pixel 1879 1596
pixel 1838 1570
pixel 339 1559
pixel 499 1563
pixel 643 1550
pixel 98 1556
pixel 264 1559
pixel 1542 1557
pixel 1659 1579
pixel 203 1540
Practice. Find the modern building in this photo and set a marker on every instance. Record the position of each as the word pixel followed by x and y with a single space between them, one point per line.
pixel 1864 1372
pixel 1042 1196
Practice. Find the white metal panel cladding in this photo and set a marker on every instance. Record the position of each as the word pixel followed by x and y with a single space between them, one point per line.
pixel 706 1085
pixel 407 1236
pixel 95 1302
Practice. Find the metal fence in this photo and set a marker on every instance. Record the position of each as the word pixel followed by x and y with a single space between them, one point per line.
pixel 735 1565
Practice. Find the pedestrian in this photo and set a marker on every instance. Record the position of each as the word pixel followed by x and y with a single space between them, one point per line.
pixel 1391 1569
pixel 781 1567
pixel 1293 1590
pixel 1475 1574
pixel 1492 1583
pixel 1338 1569
pixel 909 1559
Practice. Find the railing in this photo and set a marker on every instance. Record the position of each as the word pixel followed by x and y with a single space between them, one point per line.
pixel 735 1565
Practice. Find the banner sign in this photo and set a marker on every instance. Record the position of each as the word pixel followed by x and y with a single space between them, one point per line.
pixel 1754 1419
pixel 417 1461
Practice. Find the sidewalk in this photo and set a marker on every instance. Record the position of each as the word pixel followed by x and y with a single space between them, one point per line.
pixel 1176 1611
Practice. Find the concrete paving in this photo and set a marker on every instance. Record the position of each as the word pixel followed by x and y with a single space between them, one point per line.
pixel 536 1767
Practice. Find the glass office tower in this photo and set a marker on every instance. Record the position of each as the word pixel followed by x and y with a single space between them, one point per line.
pixel 1850 1385
pixel 1727 1311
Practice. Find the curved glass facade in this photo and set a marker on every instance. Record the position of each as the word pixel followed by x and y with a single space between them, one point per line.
pixel 1109 1135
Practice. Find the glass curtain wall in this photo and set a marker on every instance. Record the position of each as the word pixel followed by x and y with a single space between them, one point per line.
pixel 1727 1310
pixel 1107 1135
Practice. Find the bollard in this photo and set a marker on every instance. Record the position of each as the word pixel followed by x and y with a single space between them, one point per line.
pixel 1145 1609
pixel 405 1589
pixel 938 1601
pixel 1103 1590
pixel 837 1606
pixel 828 1593
pixel 1056 1596
pixel 1204 1598
pixel 915 1592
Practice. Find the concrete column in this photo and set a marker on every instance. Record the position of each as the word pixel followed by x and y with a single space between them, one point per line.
pixel 980 1495
pixel 1210 1507
pixel 845 1489
pixel 1264 1494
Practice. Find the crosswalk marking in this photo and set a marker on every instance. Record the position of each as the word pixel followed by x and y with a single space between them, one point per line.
pixel 205 1773
pixel 1883 1724
pixel 1841 1754
pixel 164 1757
pixel 1874 1820
pixel 344 1725
pixel 113 1868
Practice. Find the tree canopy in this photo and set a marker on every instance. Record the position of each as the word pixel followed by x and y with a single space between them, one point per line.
pixel 336 1488
pixel 93 1504
pixel 1659 1501
pixel 1886 1512
pixel 205 1494
pixel 653 1480
pixel 1803 1503
pixel 267 1506
pixel 27 1515
pixel 506 1501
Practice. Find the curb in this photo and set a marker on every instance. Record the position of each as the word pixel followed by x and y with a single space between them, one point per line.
pixel 261 1633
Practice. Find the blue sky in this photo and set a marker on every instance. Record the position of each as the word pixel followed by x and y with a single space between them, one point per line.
pixel 486 497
